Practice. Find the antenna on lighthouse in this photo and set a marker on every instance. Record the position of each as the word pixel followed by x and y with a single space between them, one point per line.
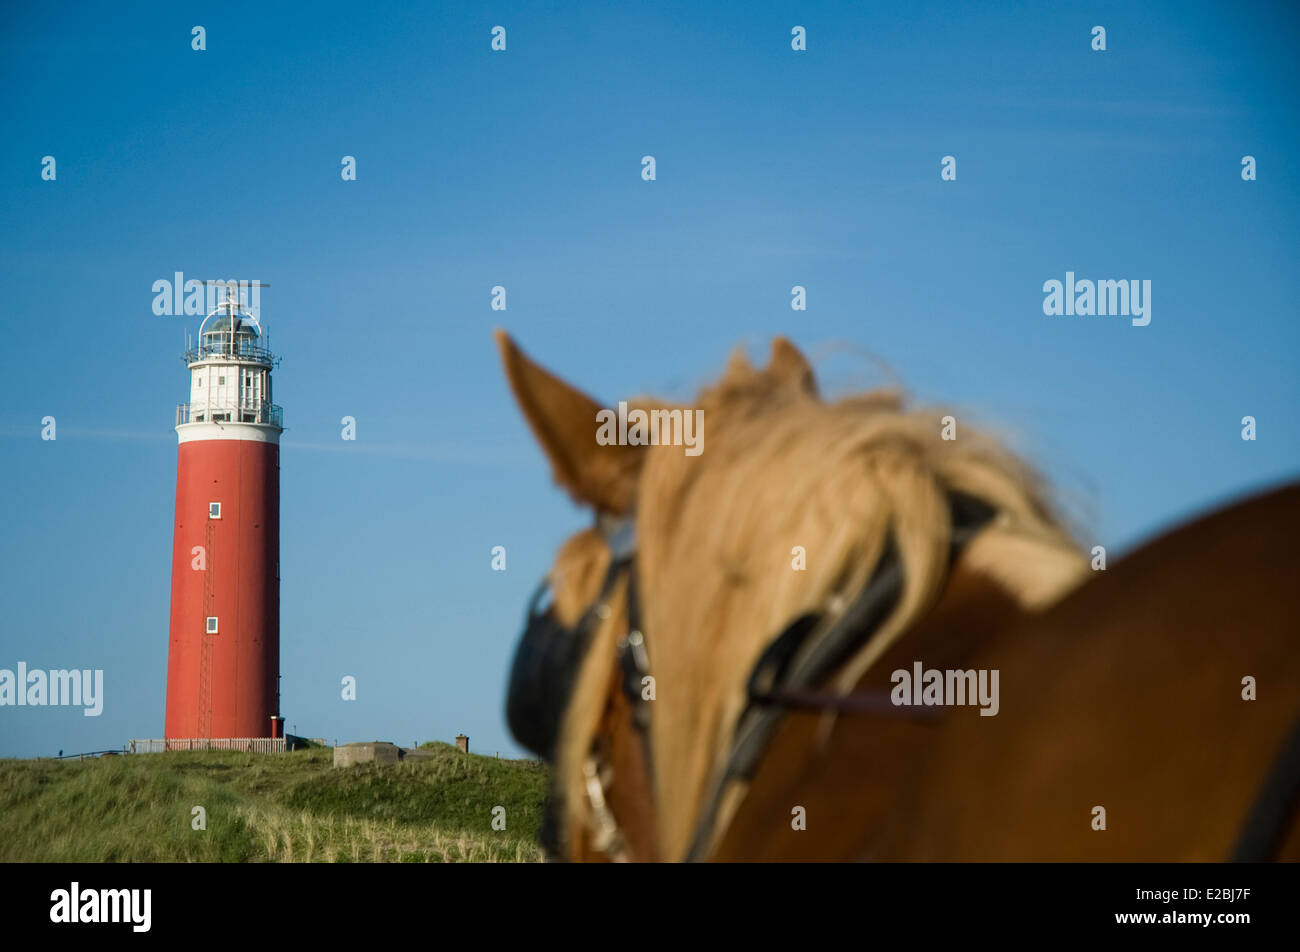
pixel 232 304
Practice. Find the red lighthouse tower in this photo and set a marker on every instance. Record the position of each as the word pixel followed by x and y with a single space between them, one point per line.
pixel 223 663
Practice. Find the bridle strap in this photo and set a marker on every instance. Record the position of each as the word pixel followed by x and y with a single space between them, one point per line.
pixel 860 702
pixel 633 666
pixel 794 668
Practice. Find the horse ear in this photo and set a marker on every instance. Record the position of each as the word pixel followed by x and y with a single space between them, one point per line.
pixel 563 419
pixel 788 365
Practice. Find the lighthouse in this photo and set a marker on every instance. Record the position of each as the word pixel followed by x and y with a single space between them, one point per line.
pixel 223 662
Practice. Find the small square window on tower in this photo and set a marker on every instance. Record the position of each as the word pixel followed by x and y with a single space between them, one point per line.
pixel 214 510
pixel 212 625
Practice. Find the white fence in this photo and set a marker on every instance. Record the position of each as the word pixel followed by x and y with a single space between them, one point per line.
pixel 252 745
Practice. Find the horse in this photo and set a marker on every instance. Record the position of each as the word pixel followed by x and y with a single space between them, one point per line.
pixel 782 648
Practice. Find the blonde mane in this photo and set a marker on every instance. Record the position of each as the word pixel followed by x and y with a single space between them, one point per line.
pixel 719 536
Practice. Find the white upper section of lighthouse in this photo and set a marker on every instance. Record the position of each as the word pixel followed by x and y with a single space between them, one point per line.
pixel 230 380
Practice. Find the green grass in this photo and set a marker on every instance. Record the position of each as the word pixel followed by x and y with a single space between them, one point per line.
pixel 291 807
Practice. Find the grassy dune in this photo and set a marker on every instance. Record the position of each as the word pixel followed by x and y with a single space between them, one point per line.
pixel 269 808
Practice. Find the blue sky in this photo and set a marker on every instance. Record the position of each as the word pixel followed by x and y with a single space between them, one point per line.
pixel 522 169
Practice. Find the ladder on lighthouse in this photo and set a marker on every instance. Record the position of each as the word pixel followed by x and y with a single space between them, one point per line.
pixel 208 647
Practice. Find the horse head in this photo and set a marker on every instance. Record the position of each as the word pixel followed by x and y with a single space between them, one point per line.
pixel 791 552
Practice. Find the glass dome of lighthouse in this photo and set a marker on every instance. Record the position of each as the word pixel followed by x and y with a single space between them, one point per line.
pixel 231 335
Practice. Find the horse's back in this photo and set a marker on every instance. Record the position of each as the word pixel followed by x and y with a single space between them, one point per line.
pixel 1162 693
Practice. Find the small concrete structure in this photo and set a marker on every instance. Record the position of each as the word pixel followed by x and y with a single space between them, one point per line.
pixel 462 743
pixel 376 752
pixel 363 752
